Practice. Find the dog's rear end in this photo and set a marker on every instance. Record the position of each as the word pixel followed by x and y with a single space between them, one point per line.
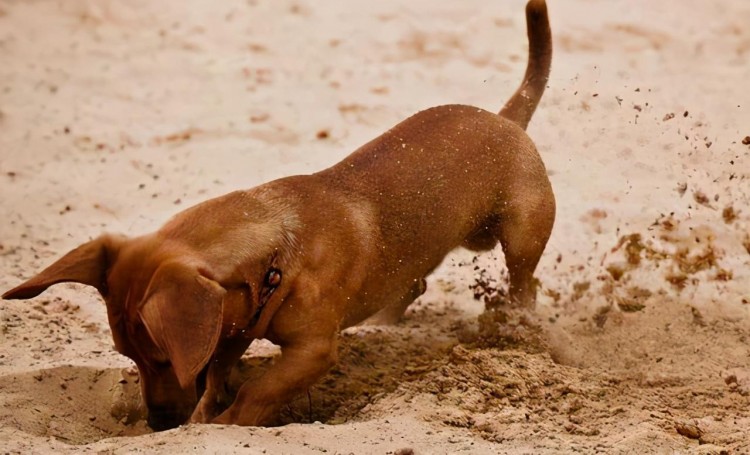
pixel 457 175
pixel 523 247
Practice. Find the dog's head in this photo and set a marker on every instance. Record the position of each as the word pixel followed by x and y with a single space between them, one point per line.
pixel 166 311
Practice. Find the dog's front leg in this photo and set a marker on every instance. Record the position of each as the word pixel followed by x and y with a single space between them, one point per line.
pixel 216 399
pixel 303 361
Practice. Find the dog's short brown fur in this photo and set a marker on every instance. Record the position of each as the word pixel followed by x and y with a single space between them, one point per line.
pixel 298 259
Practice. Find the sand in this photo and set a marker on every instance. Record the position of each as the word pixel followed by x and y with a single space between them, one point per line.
pixel 116 115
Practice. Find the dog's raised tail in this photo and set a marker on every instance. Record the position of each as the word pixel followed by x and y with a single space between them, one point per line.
pixel 521 106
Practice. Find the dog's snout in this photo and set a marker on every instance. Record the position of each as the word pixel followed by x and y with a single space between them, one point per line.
pixel 160 419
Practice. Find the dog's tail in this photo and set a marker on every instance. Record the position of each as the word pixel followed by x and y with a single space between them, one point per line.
pixel 521 106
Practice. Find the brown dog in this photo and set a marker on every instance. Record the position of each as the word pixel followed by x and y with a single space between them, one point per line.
pixel 298 259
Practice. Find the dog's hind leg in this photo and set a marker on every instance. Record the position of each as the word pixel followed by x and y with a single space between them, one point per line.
pixel 523 233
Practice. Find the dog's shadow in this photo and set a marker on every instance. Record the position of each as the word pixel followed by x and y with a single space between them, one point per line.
pixel 373 361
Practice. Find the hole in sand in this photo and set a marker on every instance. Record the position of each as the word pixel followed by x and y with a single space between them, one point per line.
pixel 73 404
pixel 80 405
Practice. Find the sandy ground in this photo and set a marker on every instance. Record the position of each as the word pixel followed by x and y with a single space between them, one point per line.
pixel 115 115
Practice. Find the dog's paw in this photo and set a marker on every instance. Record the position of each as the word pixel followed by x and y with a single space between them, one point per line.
pixel 205 412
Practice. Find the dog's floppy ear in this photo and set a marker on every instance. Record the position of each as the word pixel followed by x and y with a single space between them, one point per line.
pixel 86 264
pixel 183 313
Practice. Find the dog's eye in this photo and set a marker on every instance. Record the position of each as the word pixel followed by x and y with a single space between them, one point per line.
pixel 273 278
